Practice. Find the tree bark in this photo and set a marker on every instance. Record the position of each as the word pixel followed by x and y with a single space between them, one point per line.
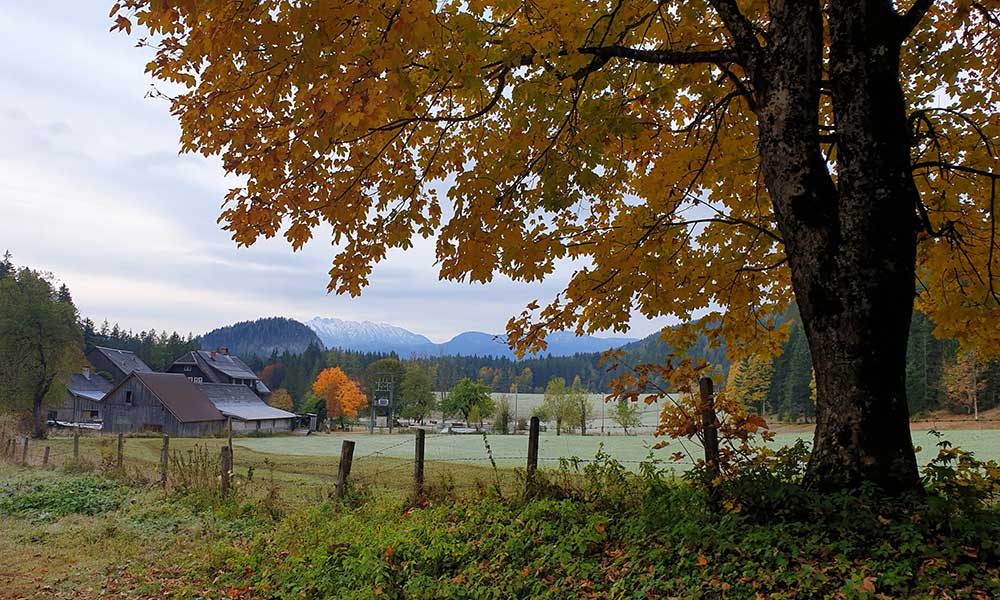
pixel 850 241
pixel 38 424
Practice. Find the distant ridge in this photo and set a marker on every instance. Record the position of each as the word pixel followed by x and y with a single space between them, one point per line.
pixel 366 336
pixel 262 337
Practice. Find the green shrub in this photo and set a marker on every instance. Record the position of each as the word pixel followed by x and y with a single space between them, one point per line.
pixel 50 499
pixel 597 530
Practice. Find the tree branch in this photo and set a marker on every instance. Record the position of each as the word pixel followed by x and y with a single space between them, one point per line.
pixel 738 25
pixel 662 57
pixel 909 21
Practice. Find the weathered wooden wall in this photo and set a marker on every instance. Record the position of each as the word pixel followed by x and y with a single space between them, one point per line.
pixel 147 413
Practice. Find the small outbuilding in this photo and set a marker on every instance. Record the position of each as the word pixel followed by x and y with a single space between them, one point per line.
pixel 82 403
pixel 247 412
pixel 166 402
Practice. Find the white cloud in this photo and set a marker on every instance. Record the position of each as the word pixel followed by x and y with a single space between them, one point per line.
pixel 92 189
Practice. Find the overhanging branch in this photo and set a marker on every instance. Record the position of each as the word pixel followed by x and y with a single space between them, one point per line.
pixel 722 56
pixel 909 21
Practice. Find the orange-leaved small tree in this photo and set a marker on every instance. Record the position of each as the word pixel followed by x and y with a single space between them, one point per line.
pixel 341 394
pixel 280 398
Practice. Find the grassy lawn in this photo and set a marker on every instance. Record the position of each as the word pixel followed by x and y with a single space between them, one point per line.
pixel 510 450
pixel 70 532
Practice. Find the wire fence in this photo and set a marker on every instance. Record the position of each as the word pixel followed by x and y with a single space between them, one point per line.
pixel 442 462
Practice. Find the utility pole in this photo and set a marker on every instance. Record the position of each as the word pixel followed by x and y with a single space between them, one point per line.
pixel 384 385
pixel 513 387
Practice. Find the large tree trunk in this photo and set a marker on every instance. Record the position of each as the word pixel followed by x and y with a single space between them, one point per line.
pixel 850 242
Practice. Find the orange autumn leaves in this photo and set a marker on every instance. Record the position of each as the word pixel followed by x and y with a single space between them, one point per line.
pixel 341 395
pixel 349 116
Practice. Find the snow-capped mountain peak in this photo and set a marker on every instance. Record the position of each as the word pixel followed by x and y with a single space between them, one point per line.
pixel 366 336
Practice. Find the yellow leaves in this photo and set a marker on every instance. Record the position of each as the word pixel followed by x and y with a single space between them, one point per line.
pixel 351 117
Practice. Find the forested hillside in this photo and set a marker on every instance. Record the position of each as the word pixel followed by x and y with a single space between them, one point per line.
pixel 262 337
pixel 938 376
pixel 158 349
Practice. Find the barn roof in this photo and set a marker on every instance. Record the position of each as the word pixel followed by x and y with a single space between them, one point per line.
pixel 240 402
pixel 186 402
pixel 227 364
pixel 124 360
pixel 91 388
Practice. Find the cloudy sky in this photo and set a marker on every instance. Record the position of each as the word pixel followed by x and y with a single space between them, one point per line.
pixel 92 189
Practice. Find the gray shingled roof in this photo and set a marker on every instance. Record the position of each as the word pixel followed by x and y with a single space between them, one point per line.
pixel 124 360
pixel 228 364
pixel 240 402
pixel 93 388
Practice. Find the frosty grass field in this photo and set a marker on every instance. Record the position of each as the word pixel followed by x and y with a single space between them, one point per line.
pixel 510 450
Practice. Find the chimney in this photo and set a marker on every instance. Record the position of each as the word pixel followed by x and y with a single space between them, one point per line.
pixel 224 351
pixel 86 373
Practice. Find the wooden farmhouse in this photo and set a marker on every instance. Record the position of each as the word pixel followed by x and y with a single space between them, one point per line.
pixel 218 366
pixel 82 403
pixel 247 412
pixel 166 402
pixel 117 363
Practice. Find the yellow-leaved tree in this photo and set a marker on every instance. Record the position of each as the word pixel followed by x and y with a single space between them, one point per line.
pixel 696 158
pixel 280 398
pixel 748 381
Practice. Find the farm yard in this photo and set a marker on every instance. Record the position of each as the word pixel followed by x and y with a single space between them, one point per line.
pixel 509 451
pixel 305 467
pixel 83 528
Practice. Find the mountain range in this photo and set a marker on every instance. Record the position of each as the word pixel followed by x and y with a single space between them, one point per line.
pixel 382 337
pixel 278 334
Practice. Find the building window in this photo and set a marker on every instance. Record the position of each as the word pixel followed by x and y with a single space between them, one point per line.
pixel 128 398
pixel 94 414
pixel 198 379
pixel 258 425
pixel 187 369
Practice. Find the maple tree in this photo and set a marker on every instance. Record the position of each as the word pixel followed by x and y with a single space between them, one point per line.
pixel 339 392
pixel 280 398
pixel 710 158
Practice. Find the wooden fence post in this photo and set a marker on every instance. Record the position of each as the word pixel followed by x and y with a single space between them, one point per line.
pixel 45 457
pixel 76 444
pixel 346 458
pixel 121 448
pixel 532 452
pixel 710 431
pixel 164 456
pixel 226 464
pixel 24 452
pixel 418 466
